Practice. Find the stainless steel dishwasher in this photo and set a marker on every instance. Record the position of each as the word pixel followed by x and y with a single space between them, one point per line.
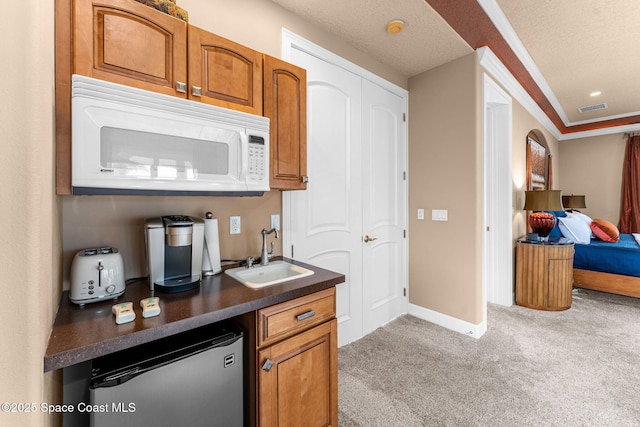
pixel 190 379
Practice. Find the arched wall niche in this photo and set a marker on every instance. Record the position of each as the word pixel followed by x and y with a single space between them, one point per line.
pixel 539 176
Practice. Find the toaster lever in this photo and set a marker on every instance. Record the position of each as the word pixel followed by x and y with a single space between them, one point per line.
pixel 100 270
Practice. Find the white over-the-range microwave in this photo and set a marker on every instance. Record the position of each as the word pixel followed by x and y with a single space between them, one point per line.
pixel 130 141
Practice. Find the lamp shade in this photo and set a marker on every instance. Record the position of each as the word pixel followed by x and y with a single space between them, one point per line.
pixel 543 200
pixel 573 202
pixel 539 201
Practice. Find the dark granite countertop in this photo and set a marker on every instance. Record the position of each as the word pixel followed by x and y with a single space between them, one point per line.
pixel 84 333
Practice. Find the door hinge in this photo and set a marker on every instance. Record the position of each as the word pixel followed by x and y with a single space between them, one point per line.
pixel 404 233
pixel 404 291
pixel 292 252
pixel 404 175
pixel 404 117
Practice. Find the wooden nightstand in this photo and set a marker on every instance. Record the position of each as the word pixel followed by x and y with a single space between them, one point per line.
pixel 544 274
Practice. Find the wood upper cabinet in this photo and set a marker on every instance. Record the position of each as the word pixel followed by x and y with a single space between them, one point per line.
pixel 285 104
pixel 224 73
pixel 297 362
pixel 126 42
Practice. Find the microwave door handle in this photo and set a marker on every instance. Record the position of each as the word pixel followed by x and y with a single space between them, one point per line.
pixel 244 157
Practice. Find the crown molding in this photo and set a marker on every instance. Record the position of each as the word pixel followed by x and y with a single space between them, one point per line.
pixel 490 62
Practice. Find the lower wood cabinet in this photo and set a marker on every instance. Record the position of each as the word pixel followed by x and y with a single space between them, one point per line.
pixel 292 350
pixel 297 379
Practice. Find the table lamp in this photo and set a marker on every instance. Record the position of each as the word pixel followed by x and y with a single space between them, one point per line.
pixel 573 202
pixel 540 201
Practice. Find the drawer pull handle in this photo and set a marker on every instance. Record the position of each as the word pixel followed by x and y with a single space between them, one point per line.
pixel 196 91
pixel 305 315
pixel 267 365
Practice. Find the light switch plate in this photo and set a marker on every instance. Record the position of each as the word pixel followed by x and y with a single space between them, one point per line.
pixel 439 215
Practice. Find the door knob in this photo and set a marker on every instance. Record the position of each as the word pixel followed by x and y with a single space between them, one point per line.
pixel 368 239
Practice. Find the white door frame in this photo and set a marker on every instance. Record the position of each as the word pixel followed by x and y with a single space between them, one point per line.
pixel 497 253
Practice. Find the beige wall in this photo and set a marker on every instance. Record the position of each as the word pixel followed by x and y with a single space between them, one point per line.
pixel 30 248
pixel 118 221
pixel 445 172
pixel 593 167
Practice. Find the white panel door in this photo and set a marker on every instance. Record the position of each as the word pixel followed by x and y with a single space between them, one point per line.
pixel 324 221
pixel 384 204
pixel 356 156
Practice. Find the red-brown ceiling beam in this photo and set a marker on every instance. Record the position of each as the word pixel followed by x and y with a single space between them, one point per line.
pixel 469 20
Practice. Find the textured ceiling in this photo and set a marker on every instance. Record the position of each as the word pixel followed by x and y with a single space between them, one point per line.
pixel 573 47
pixel 582 46
pixel 426 42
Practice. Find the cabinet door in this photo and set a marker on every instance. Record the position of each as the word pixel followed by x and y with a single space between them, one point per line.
pixel 560 281
pixel 129 43
pixel 285 104
pixel 301 386
pixel 224 73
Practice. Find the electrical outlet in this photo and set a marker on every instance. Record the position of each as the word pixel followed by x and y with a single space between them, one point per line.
pixel 275 222
pixel 420 214
pixel 234 224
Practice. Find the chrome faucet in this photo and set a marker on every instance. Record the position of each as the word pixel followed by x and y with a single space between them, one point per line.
pixel 265 256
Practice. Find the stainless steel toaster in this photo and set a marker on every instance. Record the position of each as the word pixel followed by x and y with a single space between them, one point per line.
pixel 97 274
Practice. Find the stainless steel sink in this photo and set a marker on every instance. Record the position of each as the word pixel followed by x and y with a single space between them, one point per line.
pixel 260 276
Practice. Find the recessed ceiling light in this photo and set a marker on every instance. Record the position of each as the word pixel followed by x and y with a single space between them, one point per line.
pixel 596 93
pixel 396 26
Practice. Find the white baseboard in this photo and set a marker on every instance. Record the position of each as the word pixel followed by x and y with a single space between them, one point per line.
pixel 457 325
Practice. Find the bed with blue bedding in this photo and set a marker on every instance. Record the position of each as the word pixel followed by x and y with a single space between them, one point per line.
pixel 608 266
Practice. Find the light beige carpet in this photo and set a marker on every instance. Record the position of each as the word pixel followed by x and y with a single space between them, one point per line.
pixel 579 367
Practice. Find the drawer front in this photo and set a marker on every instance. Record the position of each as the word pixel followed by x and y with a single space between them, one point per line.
pixel 283 320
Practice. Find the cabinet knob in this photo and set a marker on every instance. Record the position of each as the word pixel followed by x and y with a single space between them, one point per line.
pixel 196 91
pixel 181 87
pixel 304 179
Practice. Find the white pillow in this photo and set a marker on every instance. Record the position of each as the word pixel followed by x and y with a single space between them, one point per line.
pixel 580 215
pixel 576 229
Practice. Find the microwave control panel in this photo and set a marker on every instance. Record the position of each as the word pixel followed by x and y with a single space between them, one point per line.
pixel 257 160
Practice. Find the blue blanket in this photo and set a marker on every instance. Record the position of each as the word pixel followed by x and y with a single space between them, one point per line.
pixel 622 257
